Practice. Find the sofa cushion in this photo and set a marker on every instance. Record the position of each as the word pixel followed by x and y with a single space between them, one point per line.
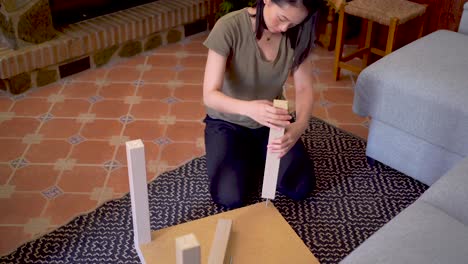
pixel 422 89
pixel 419 234
pixel 450 192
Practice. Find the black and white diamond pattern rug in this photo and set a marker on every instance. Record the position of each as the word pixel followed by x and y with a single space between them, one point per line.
pixel 352 201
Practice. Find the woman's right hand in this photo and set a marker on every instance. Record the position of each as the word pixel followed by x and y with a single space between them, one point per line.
pixel 266 114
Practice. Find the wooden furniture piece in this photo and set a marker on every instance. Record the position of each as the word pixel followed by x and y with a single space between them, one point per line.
pixel 328 37
pixel 259 233
pixel 187 250
pixel 270 176
pixel 138 193
pixel 220 241
pixel 391 13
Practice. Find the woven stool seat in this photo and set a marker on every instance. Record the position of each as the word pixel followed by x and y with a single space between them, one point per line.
pixel 391 13
pixel 382 11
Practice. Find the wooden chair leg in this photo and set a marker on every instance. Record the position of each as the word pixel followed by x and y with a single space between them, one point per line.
pixel 367 45
pixel 391 35
pixel 339 43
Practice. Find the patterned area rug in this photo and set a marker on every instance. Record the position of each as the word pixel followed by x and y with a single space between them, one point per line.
pixel 352 201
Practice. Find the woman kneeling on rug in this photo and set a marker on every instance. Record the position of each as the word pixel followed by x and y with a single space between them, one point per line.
pixel 251 53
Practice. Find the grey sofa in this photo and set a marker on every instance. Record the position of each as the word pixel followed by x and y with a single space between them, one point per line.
pixel 434 229
pixel 417 98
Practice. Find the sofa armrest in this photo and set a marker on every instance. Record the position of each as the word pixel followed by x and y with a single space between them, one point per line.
pixel 463 27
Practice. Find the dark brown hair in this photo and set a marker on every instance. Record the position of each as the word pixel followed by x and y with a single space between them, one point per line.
pixel 301 36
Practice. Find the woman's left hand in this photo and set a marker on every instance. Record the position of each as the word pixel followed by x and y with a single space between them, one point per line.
pixel 284 143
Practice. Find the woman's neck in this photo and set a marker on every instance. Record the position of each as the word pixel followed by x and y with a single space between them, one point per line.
pixel 267 35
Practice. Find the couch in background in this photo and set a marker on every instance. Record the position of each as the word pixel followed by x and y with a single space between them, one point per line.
pixel 434 229
pixel 417 98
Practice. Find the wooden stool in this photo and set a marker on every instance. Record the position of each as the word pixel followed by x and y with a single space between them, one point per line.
pixel 391 13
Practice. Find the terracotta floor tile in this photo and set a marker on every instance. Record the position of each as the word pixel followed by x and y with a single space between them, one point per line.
pixel 193 76
pixel 5 172
pixel 189 92
pixel 49 151
pixel 5 104
pixel 319 51
pixel 93 152
pixel 149 110
pixel 18 127
pixel 185 131
pixel 117 90
pixel 90 75
pixel 70 108
pixel 151 153
pixel 290 94
pixel 200 37
pixel 196 47
pixel 133 61
pixel 158 75
pixel 358 130
pixel 168 49
pixel 144 130
pixel 339 95
pixel 60 128
pixel 20 207
pixel 320 112
pixel 79 90
pixel 67 206
pixel 344 114
pixel 12 237
pixel 31 107
pixel 177 154
pixel 162 60
pixel 188 111
pixel 328 79
pixel 194 61
pixel 83 179
pixel 110 108
pixel 102 129
pixel 325 65
pixel 290 80
pixel 154 91
pixel 45 91
pixel 34 178
pixel 118 180
pixel 11 149
pixel 123 74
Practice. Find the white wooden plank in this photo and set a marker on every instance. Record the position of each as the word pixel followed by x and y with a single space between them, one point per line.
pixel 138 194
pixel 188 250
pixel 220 241
pixel 270 176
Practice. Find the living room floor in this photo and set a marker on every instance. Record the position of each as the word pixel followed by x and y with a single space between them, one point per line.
pixel 63 145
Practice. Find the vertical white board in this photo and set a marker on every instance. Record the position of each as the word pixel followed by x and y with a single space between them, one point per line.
pixel 220 242
pixel 188 250
pixel 138 193
pixel 270 176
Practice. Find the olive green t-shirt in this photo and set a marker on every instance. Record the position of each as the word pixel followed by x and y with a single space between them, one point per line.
pixel 248 76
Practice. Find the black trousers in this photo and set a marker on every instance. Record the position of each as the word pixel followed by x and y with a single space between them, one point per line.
pixel 236 157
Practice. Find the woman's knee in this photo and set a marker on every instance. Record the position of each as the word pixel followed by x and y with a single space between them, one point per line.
pixel 228 186
pixel 297 176
pixel 299 192
pixel 230 200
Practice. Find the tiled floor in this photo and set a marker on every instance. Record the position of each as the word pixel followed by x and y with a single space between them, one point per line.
pixel 62 146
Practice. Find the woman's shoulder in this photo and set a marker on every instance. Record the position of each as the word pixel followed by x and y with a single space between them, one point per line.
pixel 234 18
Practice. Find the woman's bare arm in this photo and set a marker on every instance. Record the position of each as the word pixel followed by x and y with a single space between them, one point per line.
pixel 261 111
